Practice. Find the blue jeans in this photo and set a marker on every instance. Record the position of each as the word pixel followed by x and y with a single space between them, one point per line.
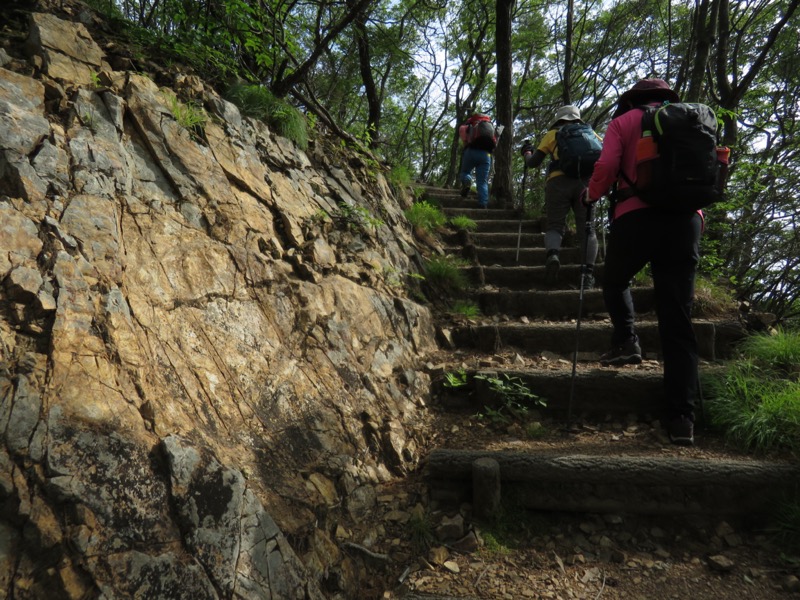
pixel 481 162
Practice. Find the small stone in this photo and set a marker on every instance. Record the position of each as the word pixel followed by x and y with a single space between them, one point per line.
pixel 469 543
pixel 451 566
pixel 720 562
pixel 723 529
pixel 438 555
pixel 588 528
pixel 790 583
pixel 733 540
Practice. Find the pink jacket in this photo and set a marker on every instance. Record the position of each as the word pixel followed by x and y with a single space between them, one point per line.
pixel 618 155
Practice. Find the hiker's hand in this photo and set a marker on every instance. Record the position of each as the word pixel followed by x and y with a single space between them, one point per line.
pixel 527 148
pixel 585 200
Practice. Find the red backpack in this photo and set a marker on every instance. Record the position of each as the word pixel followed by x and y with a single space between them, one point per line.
pixel 478 132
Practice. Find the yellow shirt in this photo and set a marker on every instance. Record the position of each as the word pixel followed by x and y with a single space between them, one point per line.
pixel 549 146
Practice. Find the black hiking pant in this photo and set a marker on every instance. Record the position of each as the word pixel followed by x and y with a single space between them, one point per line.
pixel 670 242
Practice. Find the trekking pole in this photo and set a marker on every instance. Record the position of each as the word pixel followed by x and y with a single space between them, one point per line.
pixel 521 208
pixel 584 272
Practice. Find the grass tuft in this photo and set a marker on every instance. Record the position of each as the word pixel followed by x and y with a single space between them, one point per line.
pixel 756 402
pixel 258 102
pixel 466 309
pixel 446 272
pixel 463 223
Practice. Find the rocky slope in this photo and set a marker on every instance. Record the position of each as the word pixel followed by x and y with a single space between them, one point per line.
pixel 208 352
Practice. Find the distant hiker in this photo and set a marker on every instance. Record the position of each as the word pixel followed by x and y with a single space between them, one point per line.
pixel 479 137
pixel 667 239
pixel 573 147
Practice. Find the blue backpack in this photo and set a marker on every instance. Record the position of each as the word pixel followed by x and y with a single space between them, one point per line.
pixel 578 150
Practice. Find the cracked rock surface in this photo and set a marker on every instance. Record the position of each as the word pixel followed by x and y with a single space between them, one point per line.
pixel 199 348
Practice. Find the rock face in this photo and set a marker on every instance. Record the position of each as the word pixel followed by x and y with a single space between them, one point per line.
pixel 202 338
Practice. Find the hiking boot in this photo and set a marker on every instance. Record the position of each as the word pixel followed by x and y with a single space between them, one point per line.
pixel 465 189
pixel 629 353
pixel 551 266
pixel 681 431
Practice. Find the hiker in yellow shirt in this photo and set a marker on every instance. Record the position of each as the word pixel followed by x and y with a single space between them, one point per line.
pixel 563 191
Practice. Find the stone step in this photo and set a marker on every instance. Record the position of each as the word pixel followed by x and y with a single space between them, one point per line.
pixel 489 225
pixel 524 277
pixel 715 340
pixel 617 484
pixel 533 238
pixel 473 211
pixel 527 255
pixel 452 198
pixel 554 304
pixel 596 392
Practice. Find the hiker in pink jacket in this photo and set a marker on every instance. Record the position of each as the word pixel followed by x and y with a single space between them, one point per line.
pixel 668 241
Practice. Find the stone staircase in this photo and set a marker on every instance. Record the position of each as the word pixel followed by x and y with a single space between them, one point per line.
pixel 536 325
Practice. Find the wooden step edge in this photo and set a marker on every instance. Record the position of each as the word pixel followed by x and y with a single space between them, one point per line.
pixel 652 485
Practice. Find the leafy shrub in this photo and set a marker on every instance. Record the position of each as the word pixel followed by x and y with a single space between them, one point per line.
pixel 455 380
pixel 258 102
pixel 514 399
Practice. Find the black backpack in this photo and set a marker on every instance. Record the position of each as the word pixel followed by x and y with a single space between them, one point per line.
pixel 679 167
pixel 578 150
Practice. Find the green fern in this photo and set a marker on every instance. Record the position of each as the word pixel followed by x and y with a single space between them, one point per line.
pixel 426 216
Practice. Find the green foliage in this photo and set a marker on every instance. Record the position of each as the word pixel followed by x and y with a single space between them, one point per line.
pixel 643 278
pixel 446 272
pixel 425 216
pixel 258 102
pixel 358 218
pixel 756 402
pixel 455 380
pixel 400 176
pixel 494 545
pixel 466 309
pixel 418 192
pixel 189 115
pixel 463 223
pixel 514 398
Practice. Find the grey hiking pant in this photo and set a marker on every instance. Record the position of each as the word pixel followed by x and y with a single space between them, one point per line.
pixel 562 194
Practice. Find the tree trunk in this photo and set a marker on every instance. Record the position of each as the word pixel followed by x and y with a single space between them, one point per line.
pixel 503 183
